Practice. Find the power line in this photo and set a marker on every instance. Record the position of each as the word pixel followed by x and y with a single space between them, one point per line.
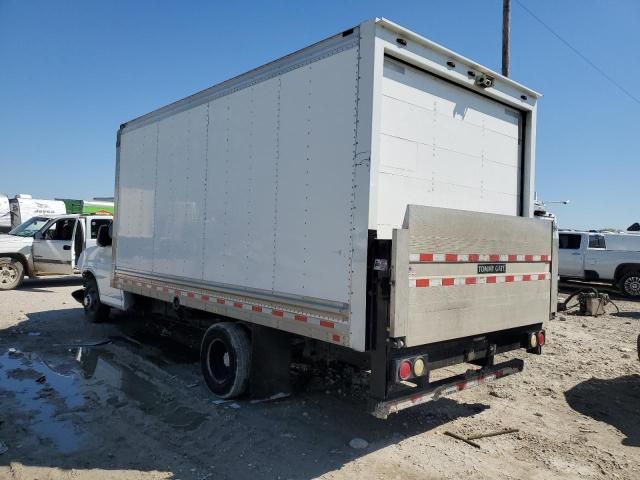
pixel 580 54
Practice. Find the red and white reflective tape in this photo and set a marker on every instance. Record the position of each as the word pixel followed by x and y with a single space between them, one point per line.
pixel 476 280
pixel 475 257
pixel 241 304
pixel 396 405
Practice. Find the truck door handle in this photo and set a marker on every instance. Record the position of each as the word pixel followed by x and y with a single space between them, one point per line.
pixel 576 253
pixel 66 247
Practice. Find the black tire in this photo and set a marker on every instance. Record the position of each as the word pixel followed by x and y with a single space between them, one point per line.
pixel 225 359
pixel 630 284
pixel 11 273
pixel 93 308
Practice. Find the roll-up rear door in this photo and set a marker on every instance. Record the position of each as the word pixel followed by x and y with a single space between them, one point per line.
pixel 446 146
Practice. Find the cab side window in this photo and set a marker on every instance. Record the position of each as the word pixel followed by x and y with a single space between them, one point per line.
pixel 96 224
pixel 596 241
pixel 570 241
pixel 61 230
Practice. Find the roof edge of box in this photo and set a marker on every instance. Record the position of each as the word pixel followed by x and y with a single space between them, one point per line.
pixel 410 35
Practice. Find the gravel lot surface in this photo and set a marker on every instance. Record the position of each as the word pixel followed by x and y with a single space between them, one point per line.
pixel 140 411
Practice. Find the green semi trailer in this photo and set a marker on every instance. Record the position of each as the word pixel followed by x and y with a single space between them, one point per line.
pixel 88 207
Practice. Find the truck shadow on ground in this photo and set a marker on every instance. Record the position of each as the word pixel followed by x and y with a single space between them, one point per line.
pixel 133 406
pixel 613 401
pixel 43 283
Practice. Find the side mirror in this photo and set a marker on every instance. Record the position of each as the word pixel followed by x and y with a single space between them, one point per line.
pixel 104 236
pixel 38 236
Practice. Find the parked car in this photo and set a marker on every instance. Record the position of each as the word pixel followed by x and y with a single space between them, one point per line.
pixel 609 257
pixel 46 246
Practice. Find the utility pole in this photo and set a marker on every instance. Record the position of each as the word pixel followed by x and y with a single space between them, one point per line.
pixel 506 35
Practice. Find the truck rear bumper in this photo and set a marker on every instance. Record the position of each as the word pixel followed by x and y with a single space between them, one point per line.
pixel 446 387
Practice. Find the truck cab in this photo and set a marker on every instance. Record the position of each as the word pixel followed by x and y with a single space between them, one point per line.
pixel 46 246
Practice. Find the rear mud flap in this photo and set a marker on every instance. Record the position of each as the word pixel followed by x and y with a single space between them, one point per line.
pixel 78 295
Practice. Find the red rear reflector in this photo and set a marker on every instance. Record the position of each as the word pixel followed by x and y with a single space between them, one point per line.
pixel 541 338
pixel 405 370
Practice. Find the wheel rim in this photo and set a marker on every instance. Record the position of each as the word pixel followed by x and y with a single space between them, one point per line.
pixel 219 364
pixel 8 274
pixel 632 285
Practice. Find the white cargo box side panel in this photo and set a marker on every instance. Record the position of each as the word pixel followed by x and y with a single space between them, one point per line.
pixel 136 192
pixel 252 185
pixel 315 178
pixel 180 194
pixel 241 187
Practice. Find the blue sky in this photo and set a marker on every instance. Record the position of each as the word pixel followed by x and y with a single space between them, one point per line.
pixel 72 71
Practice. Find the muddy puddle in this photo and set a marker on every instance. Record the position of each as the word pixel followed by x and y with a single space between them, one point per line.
pixel 58 393
pixel 39 399
pixel 102 370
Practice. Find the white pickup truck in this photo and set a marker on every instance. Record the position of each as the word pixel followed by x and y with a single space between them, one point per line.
pixel 609 257
pixel 46 246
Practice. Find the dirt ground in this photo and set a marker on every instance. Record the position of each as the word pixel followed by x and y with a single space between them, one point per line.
pixel 140 411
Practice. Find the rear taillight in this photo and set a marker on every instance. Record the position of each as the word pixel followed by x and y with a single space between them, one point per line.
pixel 535 340
pixel 404 372
pixel 409 368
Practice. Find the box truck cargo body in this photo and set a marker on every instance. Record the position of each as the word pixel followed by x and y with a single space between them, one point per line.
pixel 372 191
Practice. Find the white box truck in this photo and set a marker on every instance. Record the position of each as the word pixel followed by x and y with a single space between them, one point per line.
pixel 370 196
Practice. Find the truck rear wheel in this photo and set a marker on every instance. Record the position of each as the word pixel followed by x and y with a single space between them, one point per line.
pixel 630 284
pixel 94 309
pixel 225 358
pixel 11 273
